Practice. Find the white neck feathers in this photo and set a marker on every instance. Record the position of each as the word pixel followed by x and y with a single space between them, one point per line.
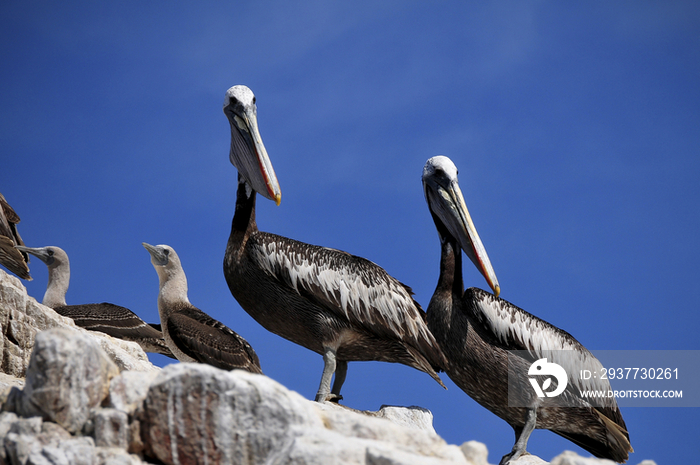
pixel 173 287
pixel 59 278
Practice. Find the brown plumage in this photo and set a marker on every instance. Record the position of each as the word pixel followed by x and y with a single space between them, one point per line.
pixel 10 257
pixel 480 334
pixel 191 334
pixel 341 306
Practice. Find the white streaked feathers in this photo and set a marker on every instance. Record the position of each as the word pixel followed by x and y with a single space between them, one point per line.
pixel 517 329
pixel 364 293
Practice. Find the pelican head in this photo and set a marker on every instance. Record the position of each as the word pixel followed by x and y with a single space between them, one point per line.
pixel 248 153
pixel 447 206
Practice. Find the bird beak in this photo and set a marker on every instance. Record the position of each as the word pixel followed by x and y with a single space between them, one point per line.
pixel 158 256
pixel 448 204
pixel 248 152
pixel 40 252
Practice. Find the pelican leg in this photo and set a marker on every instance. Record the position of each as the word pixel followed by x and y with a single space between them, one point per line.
pixel 329 364
pixel 522 434
pixel 341 370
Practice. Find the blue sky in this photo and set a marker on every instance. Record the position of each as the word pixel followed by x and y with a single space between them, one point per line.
pixel 575 129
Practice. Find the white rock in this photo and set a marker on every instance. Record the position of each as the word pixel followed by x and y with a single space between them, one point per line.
pixel 197 412
pixel 78 451
pixel 30 426
pixel 476 452
pixel 528 459
pixel 116 456
pixel 22 317
pixel 411 417
pixel 7 419
pixel 376 456
pixel 126 355
pixel 18 447
pixel 380 431
pixel 110 428
pixel 67 376
pixel 7 382
pixel 572 458
pixel 128 390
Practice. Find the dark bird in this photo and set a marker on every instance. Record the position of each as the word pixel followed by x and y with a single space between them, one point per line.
pixel 191 334
pixel 11 258
pixel 119 322
pixel 339 305
pixel 478 333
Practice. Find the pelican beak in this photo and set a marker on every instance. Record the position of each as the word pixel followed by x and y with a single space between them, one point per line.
pixel 248 152
pixel 42 253
pixel 448 204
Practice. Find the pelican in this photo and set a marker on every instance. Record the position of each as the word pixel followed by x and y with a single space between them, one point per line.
pixel 341 306
pixel 191 334
pixel 477 331
pixel 10 257
pixel 119 322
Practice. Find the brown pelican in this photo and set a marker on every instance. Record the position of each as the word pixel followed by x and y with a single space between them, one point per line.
pixel 341 306
pixel 106 318
pixel 191 334
pixel 476 331
pixel 10 257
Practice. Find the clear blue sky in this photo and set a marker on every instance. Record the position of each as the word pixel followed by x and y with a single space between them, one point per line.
pixel 576 130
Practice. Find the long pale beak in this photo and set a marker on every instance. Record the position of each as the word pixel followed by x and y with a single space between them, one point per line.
pixel 448 204
pixel 158 255
pixel 248 153
pixel 40 252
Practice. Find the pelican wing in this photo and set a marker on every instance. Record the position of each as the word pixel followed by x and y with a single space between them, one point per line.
pixel 7 216
pixel 351 287
pixel 11 258
pixel 512 328
pixel 209 341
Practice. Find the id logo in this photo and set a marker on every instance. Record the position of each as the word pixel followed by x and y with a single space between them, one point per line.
pixel 542 367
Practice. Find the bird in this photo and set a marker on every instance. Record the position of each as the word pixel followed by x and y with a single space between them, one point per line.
pixel 486 339
pixel 341 306
pixel 117 321
pixel 11 258
pixel 191 334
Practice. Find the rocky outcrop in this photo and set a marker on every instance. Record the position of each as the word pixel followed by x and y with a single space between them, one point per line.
pixel 82 404
pixel 75 399
pixel 22 317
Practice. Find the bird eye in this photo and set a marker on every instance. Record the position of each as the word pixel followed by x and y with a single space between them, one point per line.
pixel 50 252
pixel 253 100
pixel 167 252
